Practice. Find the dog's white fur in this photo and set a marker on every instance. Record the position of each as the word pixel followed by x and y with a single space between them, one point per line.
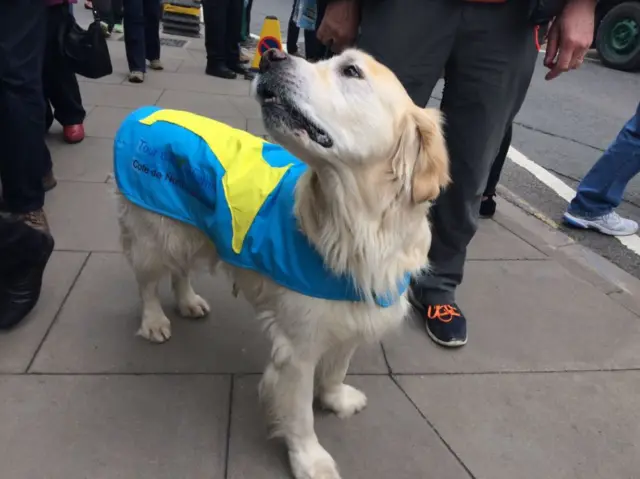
pixel 363 204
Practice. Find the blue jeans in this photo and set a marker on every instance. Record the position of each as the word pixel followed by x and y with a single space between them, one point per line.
pixel 601 190
pixel 141 32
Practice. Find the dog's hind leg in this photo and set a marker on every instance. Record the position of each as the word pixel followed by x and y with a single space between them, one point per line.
pixel 286 391
pixel 190 304
pixel 331 391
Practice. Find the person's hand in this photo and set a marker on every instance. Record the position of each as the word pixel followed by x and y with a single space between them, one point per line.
pixel 570 37
pixel 339 26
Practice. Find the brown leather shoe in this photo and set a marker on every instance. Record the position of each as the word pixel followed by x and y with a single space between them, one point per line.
pixel 49 181
pixel 36 219
pixel 244 56
pixel 73 133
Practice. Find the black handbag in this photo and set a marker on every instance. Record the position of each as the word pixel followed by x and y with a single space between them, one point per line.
pixel 86 51
pixel 543 11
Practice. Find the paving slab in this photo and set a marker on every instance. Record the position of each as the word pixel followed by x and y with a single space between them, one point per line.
pixel 194 82
pixel 18 346
pixel 122 96
pixel 389 439
pixel 104 121
pixel 193 67
pixel 119 75
pixel 256 127
pixel 218 107
pixel 493 241
pixel 525 316
pixel 90 161
pixel 83 216
pixel 248 106
pixel 533 426
pixel 95 330
pixel 167 53
pixel 142 427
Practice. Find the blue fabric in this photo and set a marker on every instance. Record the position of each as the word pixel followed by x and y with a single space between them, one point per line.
pixel 150 170
pixel 602 188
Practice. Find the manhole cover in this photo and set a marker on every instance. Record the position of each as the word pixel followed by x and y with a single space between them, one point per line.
pixel 167 42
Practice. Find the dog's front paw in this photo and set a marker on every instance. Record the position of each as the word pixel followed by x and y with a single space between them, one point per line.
pixel 313 463
pixel 344 400
pixel 193 306
pixel 155 327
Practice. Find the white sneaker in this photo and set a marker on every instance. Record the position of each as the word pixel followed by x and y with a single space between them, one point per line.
pixel 610 224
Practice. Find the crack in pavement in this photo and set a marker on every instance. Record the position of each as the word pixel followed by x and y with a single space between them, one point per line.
pixel 560 137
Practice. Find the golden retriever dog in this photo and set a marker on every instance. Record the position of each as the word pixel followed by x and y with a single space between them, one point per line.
pixel 374 162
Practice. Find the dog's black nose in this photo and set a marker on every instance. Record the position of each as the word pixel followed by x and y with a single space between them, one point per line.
pixel 270 57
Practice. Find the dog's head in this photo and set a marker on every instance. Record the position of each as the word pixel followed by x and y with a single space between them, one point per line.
pixel 352 112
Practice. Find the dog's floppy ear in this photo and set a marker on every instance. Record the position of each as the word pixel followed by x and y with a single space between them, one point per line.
pixel 431 169
pixel 422 153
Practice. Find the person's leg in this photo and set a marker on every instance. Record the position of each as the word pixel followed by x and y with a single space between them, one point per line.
pixel 134 38
pixel 215 33
pixel 247 21
pixel 117 15
pixel 486 80
pixel 427 29
pixel 25 242
pixel 60 82
pixel 293 32
pixel 602 188
pixel 488 204
pixel 25 157
pixel 314 50
pixel 152 14
pixel 232 40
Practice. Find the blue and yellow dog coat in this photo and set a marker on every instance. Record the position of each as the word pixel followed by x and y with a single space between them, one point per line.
pixel 235 187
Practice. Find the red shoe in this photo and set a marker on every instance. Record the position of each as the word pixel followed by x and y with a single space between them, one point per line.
pixel 73 133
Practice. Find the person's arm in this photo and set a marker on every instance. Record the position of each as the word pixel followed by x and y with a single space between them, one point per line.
pixel 570 37
pixel 339 25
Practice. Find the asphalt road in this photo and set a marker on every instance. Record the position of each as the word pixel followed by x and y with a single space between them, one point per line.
pixel 564 126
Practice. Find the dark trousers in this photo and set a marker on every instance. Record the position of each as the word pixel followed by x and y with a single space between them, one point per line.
pixel 141 32
pixel 22 113
pixel 108 11
pixel 314 50
pixel 498 163
pixel 61 91
pixel 488 54
pixel 293 31
pixel 244 34
pixel 222 29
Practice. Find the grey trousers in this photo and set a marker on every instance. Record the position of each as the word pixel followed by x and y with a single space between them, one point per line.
pixel 488 54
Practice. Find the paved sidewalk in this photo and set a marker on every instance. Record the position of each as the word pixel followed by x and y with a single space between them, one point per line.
pixel 547 388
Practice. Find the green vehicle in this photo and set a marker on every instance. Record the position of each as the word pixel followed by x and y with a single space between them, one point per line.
pixel 617 35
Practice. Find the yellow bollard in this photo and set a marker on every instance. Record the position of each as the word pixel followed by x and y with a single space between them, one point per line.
pixel 269 38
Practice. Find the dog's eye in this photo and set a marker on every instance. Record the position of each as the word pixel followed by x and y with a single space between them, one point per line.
pixel 352 71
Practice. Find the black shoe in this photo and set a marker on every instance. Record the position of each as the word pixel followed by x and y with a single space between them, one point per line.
pixel 220 71
pixel 20 287
pixel 242 70
pixel 445 323
pixel 488 207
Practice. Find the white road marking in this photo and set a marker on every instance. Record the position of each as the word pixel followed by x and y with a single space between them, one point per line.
pixel 563 190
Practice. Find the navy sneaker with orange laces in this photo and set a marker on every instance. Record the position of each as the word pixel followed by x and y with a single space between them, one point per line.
pixel 445 323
